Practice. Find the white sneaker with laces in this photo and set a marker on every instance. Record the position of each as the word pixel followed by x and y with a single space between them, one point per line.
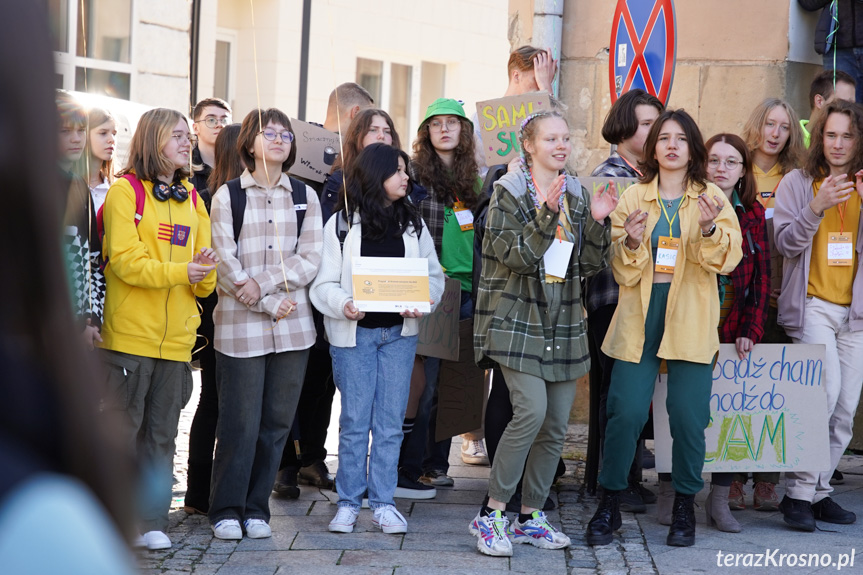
pixel 228 529
pixel 389 520
pixel 156 540
pixel 537 531
pixel 257 529
pixel 345 519
pixel 490 533
pixel 473 452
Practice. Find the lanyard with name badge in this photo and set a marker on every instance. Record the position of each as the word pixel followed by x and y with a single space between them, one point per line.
pixel 557 256
pixel 463 215
pixel 840 245
pixel 668 246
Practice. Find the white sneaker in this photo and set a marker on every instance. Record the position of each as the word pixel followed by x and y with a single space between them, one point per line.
pixel 257 529
pixel 156 540
pixel 345 519
pixel 538 532
pixel 473 452
pixel 490 533
pixel 389 520
pixel 228 529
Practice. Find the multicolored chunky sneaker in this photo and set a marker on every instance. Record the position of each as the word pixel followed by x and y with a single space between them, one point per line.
pixel 538 532
pixel 490 532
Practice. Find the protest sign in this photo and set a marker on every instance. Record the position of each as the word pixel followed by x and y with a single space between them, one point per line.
pixel 311 141
pixel 500 120
pixel 768 412
pixel 438 335
pixel 595 185
pixel 461 390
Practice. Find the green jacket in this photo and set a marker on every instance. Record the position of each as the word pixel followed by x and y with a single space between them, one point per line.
pixel 511 322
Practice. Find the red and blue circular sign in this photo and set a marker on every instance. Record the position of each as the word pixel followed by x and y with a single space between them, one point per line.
pixel 643 49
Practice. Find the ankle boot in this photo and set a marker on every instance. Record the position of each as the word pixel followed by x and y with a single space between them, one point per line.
pixel 665 502
pixel 717 511
pixel 606 520
pixel 682 531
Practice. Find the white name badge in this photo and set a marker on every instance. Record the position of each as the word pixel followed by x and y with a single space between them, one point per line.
pixel 300 207
pixel 666 254
pixel 464 216
pixel 557 258
pixel 768 213
pixel 840 249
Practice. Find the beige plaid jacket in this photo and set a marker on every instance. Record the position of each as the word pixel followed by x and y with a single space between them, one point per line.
pixel 252 331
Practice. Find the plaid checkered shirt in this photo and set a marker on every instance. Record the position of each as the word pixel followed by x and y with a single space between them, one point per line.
pixel 252 331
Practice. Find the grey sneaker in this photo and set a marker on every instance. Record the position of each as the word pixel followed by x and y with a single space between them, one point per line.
pixel 437 478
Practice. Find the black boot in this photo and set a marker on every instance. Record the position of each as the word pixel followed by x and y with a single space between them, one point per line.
pixel 606 520
pixel 682 531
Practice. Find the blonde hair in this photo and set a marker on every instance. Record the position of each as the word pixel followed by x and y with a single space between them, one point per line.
pixel 790 157
pixel 145 151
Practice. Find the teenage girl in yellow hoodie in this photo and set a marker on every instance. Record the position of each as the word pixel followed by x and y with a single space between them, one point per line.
pixel 156 267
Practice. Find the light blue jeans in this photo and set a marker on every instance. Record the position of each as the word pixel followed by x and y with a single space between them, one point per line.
pixel 373 379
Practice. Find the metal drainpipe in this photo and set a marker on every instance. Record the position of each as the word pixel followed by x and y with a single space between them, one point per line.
pixel 548 30
pixel 304 60
pixel 194 40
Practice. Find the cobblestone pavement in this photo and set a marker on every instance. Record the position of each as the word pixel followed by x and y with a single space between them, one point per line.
pixel 437 541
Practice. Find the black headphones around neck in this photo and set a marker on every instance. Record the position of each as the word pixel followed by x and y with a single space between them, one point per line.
pixel 163 192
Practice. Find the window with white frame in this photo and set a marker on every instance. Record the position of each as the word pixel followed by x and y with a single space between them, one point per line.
pixel 225 65
pixel 92 43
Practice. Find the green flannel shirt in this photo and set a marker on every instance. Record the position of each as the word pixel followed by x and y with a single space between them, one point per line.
pixel 511 322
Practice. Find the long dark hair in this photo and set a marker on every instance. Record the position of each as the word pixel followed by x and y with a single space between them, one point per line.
pixel 352 144
pixel 49 405
pixel 746 187
pixel 448 184
pixel 696 170
pixel 816 164
pixel 366 195
pixel 227 163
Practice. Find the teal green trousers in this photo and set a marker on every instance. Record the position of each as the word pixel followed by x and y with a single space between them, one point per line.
pixel 629 398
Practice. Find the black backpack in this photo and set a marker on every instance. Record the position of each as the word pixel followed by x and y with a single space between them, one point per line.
pixel 238 203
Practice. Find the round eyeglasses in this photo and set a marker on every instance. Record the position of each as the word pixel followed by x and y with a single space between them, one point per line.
pixel 214 122
pixel 730 163
pixel 437 125
pixel 271 135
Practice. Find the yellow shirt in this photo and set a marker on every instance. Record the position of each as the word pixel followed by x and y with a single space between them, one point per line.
pixel 692 312
pixel 833 283
pixel 766 184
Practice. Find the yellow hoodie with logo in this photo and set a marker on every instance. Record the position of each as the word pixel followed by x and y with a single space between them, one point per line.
pixel 150 307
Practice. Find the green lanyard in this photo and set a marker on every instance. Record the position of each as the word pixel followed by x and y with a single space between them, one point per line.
pixel 664 211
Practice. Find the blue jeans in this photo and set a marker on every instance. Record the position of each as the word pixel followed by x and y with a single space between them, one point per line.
pixel 257 400
pixel 373 379
pixel 848 60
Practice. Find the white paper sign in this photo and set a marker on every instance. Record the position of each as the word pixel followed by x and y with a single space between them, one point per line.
pixel 768 412
pixel 557 257
pixel 391 284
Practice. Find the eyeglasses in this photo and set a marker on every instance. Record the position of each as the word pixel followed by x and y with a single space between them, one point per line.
pixel 437 125
pixel 271 135
pixel 185 136
pixel 730 163
pixel 213 122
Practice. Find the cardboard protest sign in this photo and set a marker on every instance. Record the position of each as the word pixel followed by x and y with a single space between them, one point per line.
pixel 595 185
pixel 311 141
pixel 461 390
pixel 500 120
pixel 438 336
pixel 768 412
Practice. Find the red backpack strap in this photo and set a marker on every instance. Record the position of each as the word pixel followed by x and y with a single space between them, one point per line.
pixel 195 197
pixel 140 196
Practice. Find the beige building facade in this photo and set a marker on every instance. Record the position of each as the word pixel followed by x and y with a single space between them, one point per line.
pixel 730 56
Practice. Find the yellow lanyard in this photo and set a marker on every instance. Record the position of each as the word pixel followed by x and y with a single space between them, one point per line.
pixel 671 219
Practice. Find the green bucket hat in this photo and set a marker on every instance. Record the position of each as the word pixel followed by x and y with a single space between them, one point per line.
pixel 445 107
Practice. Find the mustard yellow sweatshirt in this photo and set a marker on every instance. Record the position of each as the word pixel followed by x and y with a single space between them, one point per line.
pixel 150 307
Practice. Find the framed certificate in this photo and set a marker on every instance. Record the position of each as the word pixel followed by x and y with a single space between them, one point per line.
pixel 391 284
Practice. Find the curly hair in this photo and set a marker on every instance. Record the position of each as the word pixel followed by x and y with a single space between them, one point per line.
pixel 816 164
pixel 460 182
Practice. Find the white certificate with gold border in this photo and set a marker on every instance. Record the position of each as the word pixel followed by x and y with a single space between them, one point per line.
pixel 391 284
